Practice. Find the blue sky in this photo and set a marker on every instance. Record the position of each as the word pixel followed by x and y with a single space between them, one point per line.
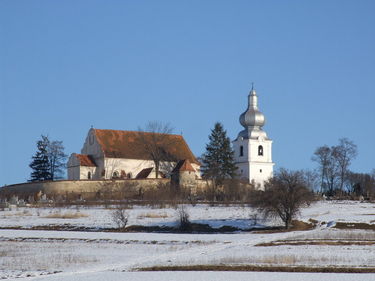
pixel 67 65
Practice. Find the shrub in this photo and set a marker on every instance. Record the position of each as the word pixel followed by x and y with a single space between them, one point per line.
pixel 120 217
pixel 183 217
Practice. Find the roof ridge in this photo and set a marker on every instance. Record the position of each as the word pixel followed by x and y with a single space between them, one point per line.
pixel 132 131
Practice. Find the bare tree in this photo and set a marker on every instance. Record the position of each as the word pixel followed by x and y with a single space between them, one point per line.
pixel 311 179
pixel 361 184
pixel 343 154
pixel 334 164
pixel 322 156
pixel 284 195
pixel 157 141
pixel 56 158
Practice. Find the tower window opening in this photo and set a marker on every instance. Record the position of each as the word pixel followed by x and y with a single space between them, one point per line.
pixel 260 150
pixel 260 170
pixel 241 150
pixel 89 175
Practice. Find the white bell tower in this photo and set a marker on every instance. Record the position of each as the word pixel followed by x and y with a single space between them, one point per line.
pixel 252 148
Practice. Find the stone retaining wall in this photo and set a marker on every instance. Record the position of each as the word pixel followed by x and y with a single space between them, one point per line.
pixel 66 188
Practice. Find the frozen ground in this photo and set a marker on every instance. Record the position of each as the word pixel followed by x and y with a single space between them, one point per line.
pixel 68 255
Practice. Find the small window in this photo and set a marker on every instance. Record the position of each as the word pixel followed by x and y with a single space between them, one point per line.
pixel 260 170
pixel 260 150
pixel 115 175
pixel 89 175
pixel 241 150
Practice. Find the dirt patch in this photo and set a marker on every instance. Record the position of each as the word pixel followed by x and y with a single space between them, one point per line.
pixel 350 225
pixel 259 268
pixel 296 226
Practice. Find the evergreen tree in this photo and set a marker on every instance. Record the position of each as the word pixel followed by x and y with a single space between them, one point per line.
pixel 40 163
pixel 218 160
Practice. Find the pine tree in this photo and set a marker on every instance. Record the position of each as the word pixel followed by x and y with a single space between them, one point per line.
pixel 40 163
pixel 218 160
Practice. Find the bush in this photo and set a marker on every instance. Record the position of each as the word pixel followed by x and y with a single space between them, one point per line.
pixel 183 217
pixel 120 217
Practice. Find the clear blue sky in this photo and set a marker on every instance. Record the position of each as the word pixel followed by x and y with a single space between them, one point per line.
pixel 67 65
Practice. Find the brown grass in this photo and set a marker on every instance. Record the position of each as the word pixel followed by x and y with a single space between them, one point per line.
pixel 66 216
pixel 296 226
pixel 316 243
pixel 153 216
pixel 259 268
pixel 352 225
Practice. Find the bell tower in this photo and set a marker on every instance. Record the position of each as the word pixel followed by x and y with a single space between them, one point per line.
pixel 252 147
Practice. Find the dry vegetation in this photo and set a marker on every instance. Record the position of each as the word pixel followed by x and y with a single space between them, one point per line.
pixel 153 215
pixel 258 268
pixel 67 215
pixel 22 256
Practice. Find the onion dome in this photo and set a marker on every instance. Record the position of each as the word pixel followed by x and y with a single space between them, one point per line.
pixel 252 119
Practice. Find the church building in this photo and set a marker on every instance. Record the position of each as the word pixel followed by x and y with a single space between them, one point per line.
pixel 115 154
pixel 252 147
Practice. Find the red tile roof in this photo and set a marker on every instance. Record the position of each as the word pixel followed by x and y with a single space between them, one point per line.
pixel 184 165
pixel 132 144
pixel 85 160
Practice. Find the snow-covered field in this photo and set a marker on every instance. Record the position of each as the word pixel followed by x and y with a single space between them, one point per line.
pixel 70 255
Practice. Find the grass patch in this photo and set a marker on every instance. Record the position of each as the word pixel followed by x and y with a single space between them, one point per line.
pixel 153 216
pixel 259 268
pixel 67 215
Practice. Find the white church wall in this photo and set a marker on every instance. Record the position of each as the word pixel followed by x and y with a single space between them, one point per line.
pixel 73 168
pixel 132 166
pixel 84 173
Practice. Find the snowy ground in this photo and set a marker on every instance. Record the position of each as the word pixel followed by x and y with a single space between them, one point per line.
pixel 68 255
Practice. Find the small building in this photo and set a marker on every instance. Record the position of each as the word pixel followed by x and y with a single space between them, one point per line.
pixel 116 154
pixel 184 175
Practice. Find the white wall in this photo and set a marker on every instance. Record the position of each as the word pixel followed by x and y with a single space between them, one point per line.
pixel 251 166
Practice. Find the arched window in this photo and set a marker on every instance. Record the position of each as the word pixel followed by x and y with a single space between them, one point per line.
pixel 89 175
pixel 241 150
pixel 260 150
pixel 115 175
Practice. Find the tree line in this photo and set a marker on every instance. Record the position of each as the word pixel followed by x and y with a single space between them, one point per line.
pixel 334 172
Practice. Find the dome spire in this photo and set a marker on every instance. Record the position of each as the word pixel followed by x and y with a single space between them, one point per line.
pixel 252 119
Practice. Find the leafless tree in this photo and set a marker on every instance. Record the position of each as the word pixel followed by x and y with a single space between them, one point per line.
pixel 322 156
pixel 156 140
pixel 284 195
pixel 361 184
pixel 344 153
pixel 334 164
